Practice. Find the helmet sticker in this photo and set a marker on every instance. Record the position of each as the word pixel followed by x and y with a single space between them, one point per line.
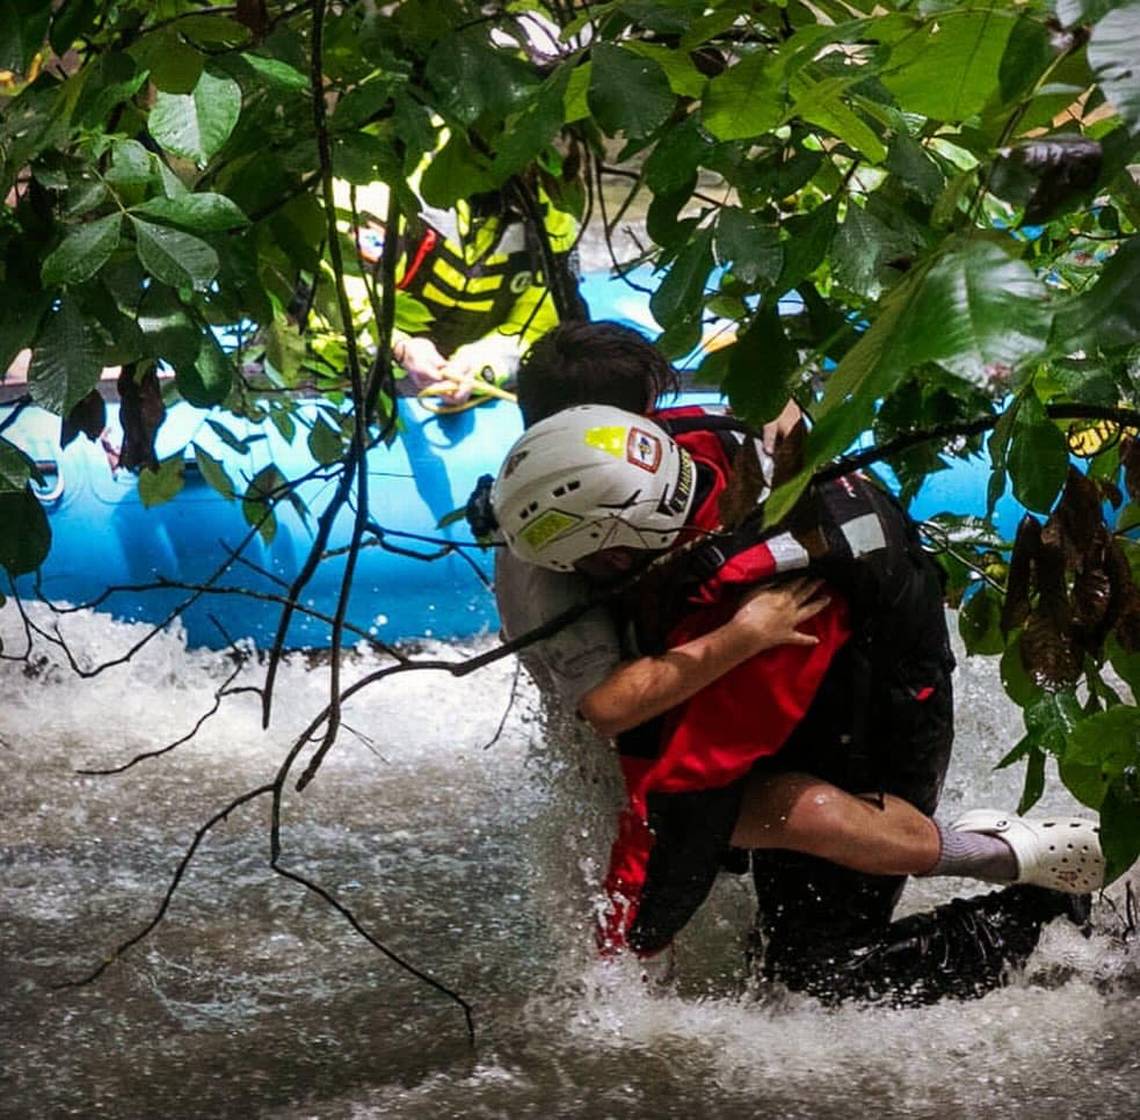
pixel 643 450
pixel 544 528
pixel 611 439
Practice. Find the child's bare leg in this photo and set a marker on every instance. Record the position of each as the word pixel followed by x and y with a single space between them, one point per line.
pixel 802 813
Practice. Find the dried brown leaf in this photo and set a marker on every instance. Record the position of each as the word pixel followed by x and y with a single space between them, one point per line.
pixel 1127 628
pixel 745 487
pixel 1047 652
pixel 88 417
pixel 1130 461
pixel 253 14
pixel 788 455
pixel 1110 492
pixel 1019 585
pixel 141 411
pixel 1078 511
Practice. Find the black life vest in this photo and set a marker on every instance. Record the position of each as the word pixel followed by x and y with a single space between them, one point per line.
pixel 848 531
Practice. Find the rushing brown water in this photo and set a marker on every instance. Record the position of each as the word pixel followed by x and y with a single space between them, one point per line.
pixel 479 864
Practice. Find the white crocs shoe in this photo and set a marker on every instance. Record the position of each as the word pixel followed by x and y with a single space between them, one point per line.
pixel 1060 853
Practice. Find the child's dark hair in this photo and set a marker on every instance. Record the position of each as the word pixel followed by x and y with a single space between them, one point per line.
pixel 592 363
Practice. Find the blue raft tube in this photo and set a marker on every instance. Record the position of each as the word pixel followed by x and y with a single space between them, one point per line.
pixel 103 536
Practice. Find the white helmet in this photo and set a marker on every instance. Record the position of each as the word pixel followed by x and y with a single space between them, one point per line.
pixel 592 478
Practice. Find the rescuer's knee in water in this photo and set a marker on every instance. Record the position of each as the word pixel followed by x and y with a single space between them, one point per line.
pixel 961 950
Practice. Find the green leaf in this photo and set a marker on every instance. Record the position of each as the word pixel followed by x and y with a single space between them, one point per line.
pixel 1014 679
pixel 858 251
pixel 1107 315
pixel 117 334
pixel 471 78
pixel 808 238
pixel 909 160
pixel 1100 750
pixel 662 220
pixel 158 486
pixel 1126 664
pixel 26 539
pixel 1034 781
pixel 948 67
pixel 746 100
pixel 534 127
pixel 325 444
pixel 174 66
pixel 82 252
pixel 751 246
pixel 20 314
pixel 1038 458
pixel 214 473
pixel 680 294
pixel 257 504
pixel 948 204
pixel 65 364
pixel 685 79
pixel 23 27
pixel 108 83
pixel 361 158
pixel 168 330
pixel 821 103
pixel 979 623
pixel 204 213
pixel 241 446
pixel 576 105
pixel 1021 750
pixel 973 310
pixel 16 469
pixel 628 94
pixel 1120 828
pixel 1112 54
pixel 452 518
pixel 278 73
pixel 221 29
pixel 760 367
pixel 675 158
pixel 1052 719
pixel 197 125
pixel 455 172
pixel 284 424
pixel 131 169
pixel 209 379
pixel 176 258
pixel 1028 52
pixel 71 19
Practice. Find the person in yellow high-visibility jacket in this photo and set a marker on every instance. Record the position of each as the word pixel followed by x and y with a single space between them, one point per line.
pixel 476 268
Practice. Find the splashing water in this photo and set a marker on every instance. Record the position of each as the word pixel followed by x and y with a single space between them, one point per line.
pixel 475 854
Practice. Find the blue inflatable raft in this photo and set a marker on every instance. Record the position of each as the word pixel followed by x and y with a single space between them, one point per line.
pixel 103 536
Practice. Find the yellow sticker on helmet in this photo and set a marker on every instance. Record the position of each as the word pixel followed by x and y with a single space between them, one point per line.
pixel 610 439
pixel 542 530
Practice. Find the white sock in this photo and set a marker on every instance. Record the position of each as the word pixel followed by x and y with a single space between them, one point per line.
pixel 974 855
